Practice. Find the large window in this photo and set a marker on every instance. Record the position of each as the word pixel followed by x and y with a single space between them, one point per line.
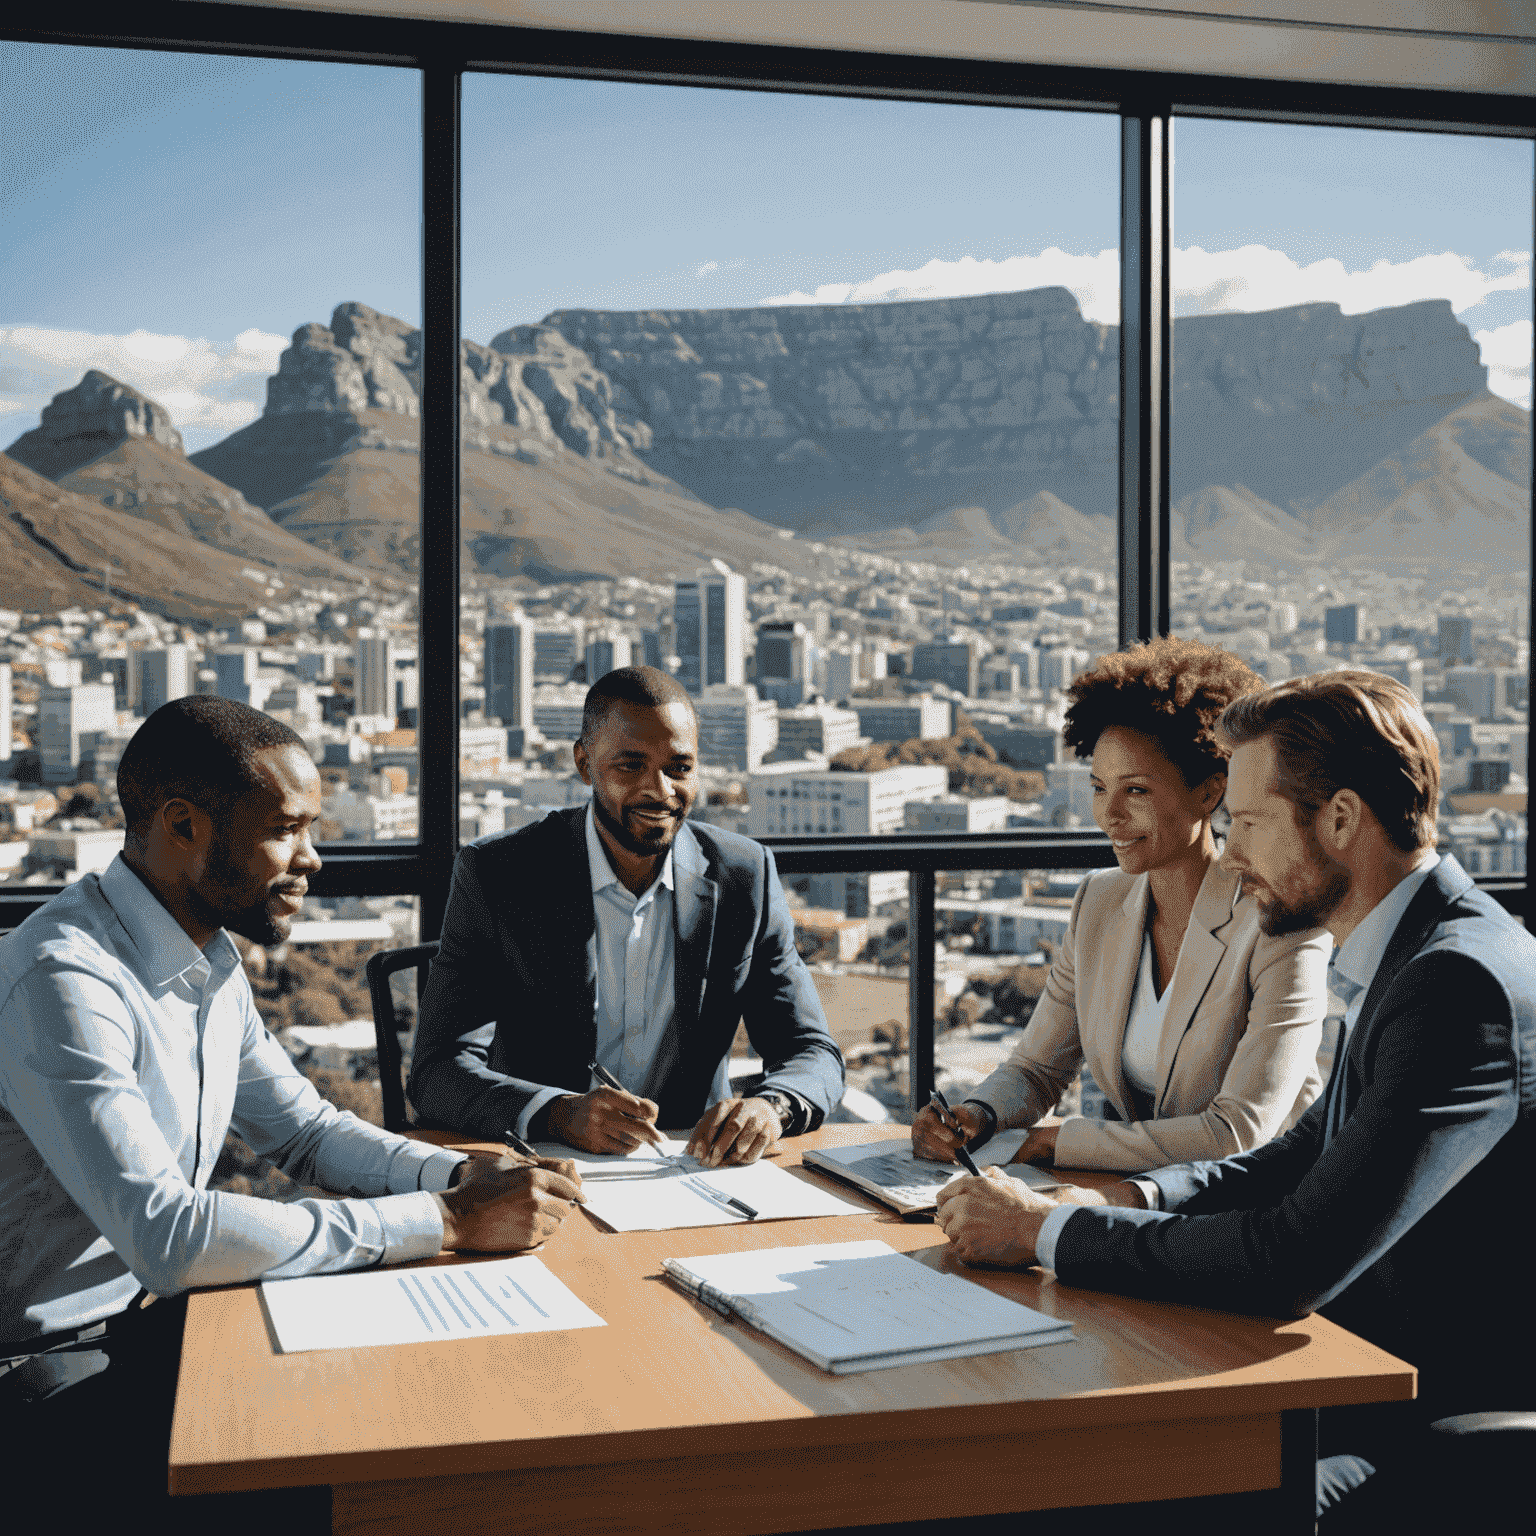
pixel 1351 473
pixel 210 412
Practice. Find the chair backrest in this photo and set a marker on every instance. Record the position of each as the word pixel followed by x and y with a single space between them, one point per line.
pixel 379 969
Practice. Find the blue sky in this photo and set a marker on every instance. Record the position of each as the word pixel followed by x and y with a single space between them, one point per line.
pixel 174 218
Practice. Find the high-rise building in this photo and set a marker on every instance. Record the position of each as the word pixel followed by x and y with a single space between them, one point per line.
pixel 803 804
pixel 160 675
pixel 1059 666
pixel 68 722
pixel 650 648
pixel 374 674
pixel 509 672
pixel 710 620
pixel 1027 659
pixel 951 662
pixel 557 651
pixel 840 673
pixel 1455 641
pixel 6 745
pixel 1341 625
pixel 737 729
pixel 236 669
pixel 607 653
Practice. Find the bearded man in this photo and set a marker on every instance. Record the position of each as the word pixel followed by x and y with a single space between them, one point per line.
pixel 1392 1205
pixel 619 943
pixel 129 1046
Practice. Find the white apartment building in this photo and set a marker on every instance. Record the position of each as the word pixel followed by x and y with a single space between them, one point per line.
pixel 69 722
pixel 370 818
pixel 1059 666
pixel 6 745
pixel 923 718
pixel 737 729
pixel 72 854
pixel 1068 792
pixel 1013 926
pixel 820 728
pixel 791 804
pixel 953 813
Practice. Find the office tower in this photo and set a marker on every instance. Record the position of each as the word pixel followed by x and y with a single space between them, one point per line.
pixel 235 669
pixel 783 662
pixel 1059 666
pixel 69 720
pixel 158 676
pixel 373 677
pixel 1021 743
pixel 607 653
pixel 556 651
pixel 1409 672
pixel 710 617
pixel 952 662
pixel 1481 692
pixel 6 746
pixel 1027 659
pixel 822 728
pixel 1455 641
pixel 650 648
pixel 1341 625
pixel 924 718
pixel 803 804
pixel 509 672
pixel 737 729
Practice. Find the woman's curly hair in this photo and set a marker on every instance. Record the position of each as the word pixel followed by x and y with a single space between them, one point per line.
pixel 1170 689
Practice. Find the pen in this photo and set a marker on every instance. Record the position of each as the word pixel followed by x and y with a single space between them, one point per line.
pixel 517 1144
pixel 608 1080
pixel 942 1110
pixel 720 1195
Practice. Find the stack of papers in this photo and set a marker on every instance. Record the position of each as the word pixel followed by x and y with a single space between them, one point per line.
pixel 417 1306
pixel 653 1189
pixel 888 1170
pixel 861 1306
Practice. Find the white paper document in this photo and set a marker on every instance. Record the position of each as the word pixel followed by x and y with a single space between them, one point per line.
pixel 862 1306
pixel 653 1189
pixel 416 1306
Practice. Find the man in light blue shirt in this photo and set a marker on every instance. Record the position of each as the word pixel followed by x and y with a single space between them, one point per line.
pixel 129 1046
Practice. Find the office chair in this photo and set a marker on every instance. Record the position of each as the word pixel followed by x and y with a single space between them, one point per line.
pixel 386 1035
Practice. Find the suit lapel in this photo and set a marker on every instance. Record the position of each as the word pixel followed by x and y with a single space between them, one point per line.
pixel 694 899
pixel 1120 964
pixel 561 908
pixel 1199 955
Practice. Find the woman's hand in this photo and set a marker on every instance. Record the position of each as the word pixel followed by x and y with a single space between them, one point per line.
pixel 934 1140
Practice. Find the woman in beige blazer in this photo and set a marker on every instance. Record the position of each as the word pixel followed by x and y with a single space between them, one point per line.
pixel 1201 1029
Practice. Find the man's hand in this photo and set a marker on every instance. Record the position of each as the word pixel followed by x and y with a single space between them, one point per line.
pixel 735 1131
pixel 507 1203
pixel 993 1219
pixel 605 1120
pixel 1039 1146
pixel 932 1139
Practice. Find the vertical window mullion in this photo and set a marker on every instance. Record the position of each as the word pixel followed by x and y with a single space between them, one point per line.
pixel 921 979
pixel 1146 361
pixel 438 714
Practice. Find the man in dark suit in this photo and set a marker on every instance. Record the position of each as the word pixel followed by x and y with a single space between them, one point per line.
pixel 622 935
pixel 1392 1206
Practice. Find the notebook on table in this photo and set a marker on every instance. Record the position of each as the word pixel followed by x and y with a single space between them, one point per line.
pixel 888 1170
pixel 861 1306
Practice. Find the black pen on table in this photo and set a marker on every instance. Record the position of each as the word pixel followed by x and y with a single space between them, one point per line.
pixel 608 1080
pixel 946 1114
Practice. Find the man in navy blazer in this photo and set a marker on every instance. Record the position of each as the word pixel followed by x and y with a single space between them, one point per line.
pixel 620 934
pixel 1393 1206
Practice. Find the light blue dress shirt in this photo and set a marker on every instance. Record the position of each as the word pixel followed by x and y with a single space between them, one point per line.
pixel 1357 959
pixel 126 1054
pixel 632 948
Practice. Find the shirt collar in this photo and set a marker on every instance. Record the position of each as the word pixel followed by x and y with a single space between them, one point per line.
pixel 165 952
pixel 1361 954
pixel 602 871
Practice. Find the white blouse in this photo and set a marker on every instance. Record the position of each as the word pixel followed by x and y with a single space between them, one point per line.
pixel 1144 1022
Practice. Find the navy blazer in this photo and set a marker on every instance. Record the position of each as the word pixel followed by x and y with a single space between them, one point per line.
pixel 510 1002
pixel 1395 1205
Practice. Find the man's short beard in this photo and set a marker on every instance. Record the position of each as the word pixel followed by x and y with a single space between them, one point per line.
pixel 1328 885
pixel 254 921
pixel 615 828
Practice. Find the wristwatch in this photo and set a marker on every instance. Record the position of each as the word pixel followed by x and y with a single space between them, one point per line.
pixel 988 1121
pixel 782 1103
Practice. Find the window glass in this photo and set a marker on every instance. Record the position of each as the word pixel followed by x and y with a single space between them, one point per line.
pixel 1351 429
pixel 209 293
pixel 811 401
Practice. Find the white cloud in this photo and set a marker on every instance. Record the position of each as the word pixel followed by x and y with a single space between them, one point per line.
pixel 208 389
pixel 709 266
pixel 1507 356
pixel 1253 277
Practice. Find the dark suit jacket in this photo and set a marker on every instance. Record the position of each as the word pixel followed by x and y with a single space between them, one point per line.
pixel 1398 1205
pixel 510 1002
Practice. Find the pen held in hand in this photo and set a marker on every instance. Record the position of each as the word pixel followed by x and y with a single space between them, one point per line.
pixel 518 1145
pixel 951 1122
pixel 608 1080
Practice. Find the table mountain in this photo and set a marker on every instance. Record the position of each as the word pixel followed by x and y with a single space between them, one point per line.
pixel 108 442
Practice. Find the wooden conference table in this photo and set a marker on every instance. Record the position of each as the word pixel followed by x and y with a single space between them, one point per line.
pixel 673 1418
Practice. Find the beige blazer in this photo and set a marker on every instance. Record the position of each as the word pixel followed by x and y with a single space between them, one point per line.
pixel 1237 1064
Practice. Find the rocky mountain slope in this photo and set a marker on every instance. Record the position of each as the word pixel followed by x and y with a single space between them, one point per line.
pixel 59 548
pixel 553 485
pixel 106 441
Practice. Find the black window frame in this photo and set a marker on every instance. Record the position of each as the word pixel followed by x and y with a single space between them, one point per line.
pixel 443 51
